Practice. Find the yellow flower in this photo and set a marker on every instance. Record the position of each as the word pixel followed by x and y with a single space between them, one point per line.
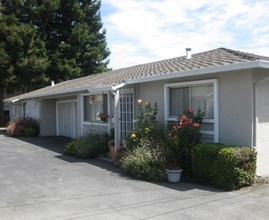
pixel 133 135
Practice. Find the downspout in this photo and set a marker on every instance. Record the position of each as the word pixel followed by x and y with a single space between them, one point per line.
pixel 255 103
pixel 255 114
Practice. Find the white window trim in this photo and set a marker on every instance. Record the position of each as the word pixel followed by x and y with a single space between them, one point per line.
pixel 82 109
pixel 215 121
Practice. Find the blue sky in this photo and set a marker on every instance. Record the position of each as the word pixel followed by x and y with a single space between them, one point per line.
pixel 141 31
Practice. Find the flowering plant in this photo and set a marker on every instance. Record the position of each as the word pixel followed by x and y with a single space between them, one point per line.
pixel 195 118
pixel 181 137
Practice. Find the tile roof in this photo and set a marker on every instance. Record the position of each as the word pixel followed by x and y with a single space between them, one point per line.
pixel 212 58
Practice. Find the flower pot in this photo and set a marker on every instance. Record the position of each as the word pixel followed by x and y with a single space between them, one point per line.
pixel 111 146
pixel 173 176
pixel 114 154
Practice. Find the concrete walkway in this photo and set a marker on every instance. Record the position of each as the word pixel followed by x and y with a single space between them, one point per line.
pixel 38 182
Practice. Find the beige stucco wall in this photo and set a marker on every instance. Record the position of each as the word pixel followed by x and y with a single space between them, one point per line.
pixel 236 108
pixel 48 117
pixel 235 103
pixel 153 92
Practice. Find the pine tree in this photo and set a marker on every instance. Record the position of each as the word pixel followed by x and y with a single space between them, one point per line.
pixel 68 34
pixel 23 60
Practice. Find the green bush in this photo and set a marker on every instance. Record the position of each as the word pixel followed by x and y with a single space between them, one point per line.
pixel 103 143
pixel 234 168
pixel 87 146
pixel 202 158
pixel 70 148
pixel 145 162
pixel 27 126
pixel 223 166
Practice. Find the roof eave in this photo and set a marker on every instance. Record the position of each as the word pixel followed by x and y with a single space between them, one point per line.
pixel 204 71
pixel 77 90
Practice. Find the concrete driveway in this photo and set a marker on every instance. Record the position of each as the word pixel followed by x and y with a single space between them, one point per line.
pixel 38 182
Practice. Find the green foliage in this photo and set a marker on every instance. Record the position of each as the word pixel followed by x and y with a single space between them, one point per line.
pixel 145 162
pixel 27 127
pixel 70 148
pixel 202 158
pixel 234 168
pixel 173 145
pixel 223 166
pixel 102 143
pixel 88 146
pixel 50 40
pixel 23 59
pixel 182 136
pixel 146 126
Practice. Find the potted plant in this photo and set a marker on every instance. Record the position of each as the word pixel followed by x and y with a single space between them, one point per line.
pixel 173 159
pixel 103 116
pixel 181 137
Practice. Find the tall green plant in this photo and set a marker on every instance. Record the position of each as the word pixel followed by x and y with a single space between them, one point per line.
pixel 146 126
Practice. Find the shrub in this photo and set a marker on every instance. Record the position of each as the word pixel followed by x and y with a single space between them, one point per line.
pixel 145 162
pixel 70 148
pixel 103 143
pixel 234 168
pixel 26 126
pixel 223 166
pixel 87 146
pixel 202 157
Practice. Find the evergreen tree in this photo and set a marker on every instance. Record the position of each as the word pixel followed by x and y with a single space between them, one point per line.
pixel 23 60
pixel 69 35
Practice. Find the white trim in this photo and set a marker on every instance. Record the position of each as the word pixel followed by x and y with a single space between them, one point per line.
pixel 82 108
pixel 117 118
pixel 215 121
pixel 94 123
pixel 119 86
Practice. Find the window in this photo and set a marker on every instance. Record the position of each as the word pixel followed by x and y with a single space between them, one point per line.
pixel 94 107
pixel 196 94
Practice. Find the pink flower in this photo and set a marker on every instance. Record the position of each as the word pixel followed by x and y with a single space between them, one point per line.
pixel 190 110
pixel 196 125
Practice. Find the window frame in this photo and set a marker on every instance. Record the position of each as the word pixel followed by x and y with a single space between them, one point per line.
pixel 189 84
pixel 83 108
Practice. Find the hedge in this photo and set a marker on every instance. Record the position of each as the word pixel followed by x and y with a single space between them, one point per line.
pixel 226 167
